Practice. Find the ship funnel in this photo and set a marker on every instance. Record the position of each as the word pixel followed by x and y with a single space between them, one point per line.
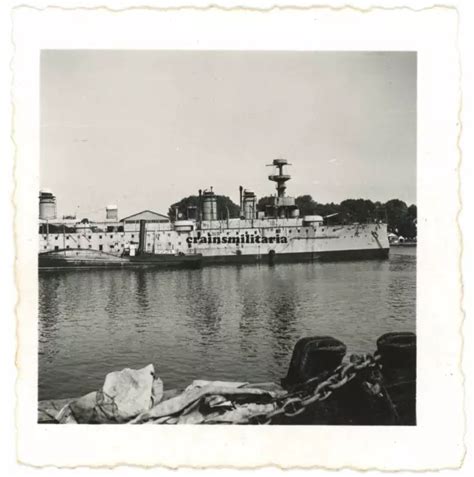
pixel 241 203
pixel 209 205
pixel 249 204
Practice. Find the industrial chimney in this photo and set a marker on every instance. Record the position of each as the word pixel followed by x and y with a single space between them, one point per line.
pixel 111 213
pixel 47 205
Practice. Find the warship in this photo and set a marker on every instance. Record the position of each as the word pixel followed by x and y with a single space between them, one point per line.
pixel 277 234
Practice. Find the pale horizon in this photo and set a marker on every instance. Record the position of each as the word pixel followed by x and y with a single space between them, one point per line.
pixel 143 129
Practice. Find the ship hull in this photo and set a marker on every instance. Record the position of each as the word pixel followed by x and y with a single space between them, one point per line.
pixel 241 241
pixel 93 259
pixel 326 256
pixel 59 260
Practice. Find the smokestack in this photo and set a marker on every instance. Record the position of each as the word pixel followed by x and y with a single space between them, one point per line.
pixel 111 213
pixel 192 212
pixel 209 205
pixel 47 205
pixel 142 237
pixel 200 206
pixel 241 205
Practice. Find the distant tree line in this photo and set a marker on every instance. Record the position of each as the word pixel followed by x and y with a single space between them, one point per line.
pixel 224 206
pixel 400 217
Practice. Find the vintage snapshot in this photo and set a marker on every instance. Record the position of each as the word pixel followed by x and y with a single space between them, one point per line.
pixel 213 251
pixel 232 241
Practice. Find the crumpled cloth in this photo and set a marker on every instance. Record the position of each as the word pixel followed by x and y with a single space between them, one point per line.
pixel 137 396
pixel 124 395
pixel 194 394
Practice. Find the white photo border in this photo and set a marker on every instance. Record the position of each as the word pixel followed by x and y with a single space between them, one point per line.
pixel 437 440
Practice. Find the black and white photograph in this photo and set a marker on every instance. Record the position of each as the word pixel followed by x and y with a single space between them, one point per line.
pixel 227 237
pixel 238 237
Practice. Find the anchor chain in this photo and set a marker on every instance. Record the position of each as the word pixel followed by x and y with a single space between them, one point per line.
pixel 297 402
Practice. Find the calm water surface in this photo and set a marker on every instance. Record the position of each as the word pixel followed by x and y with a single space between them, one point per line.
pixel 224 322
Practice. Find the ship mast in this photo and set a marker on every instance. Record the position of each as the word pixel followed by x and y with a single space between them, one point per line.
pixel 283 206
pixel 280 178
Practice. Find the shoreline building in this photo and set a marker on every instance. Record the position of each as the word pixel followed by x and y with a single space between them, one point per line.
pixel 112 235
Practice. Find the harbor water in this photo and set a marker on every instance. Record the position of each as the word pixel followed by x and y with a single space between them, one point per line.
pixel 236 323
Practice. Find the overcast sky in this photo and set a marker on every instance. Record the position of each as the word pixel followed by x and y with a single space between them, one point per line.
pixel 143 129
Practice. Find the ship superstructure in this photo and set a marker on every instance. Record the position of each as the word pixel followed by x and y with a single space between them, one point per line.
pixel 276 234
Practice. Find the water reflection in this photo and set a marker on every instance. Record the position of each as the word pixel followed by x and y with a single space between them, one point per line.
pixel 203 304
pixel 113 293
pixel 226 322
pixel 283 300
pixel 49 301
pixel 249 323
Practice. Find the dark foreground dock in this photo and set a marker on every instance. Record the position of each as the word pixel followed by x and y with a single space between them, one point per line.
pixel 321 387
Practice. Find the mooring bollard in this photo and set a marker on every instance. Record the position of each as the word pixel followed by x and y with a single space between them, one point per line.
pixel 398 359
pixel 313 356
pixel 373 391
pixel 398 351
